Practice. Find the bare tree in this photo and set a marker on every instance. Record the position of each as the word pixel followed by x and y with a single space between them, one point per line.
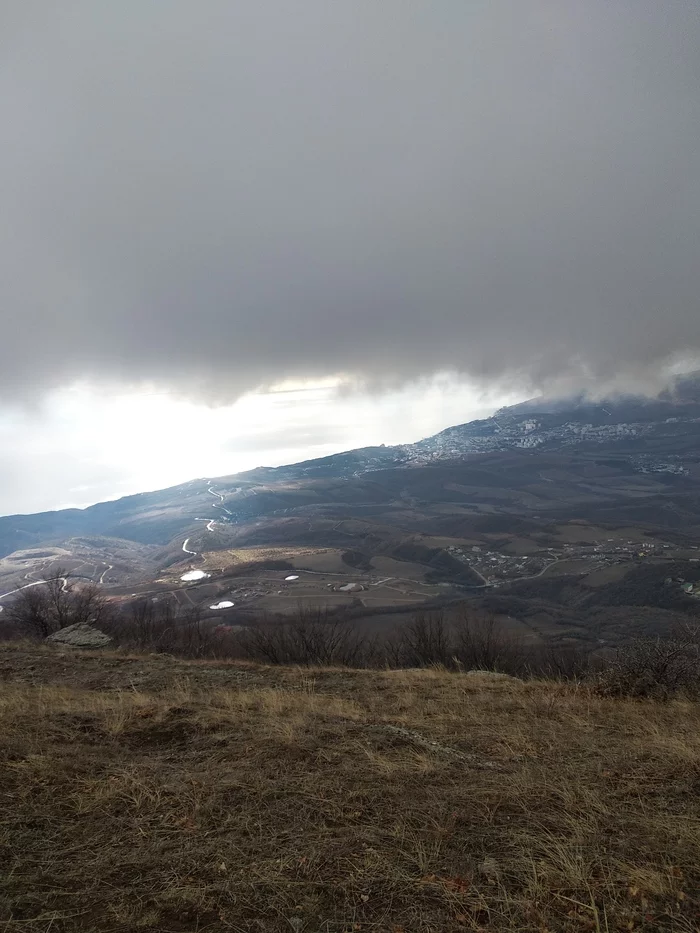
pixel 311 637
pixel 140 623
pixel 482 644
pixel 46 607
pixel 194 637
pixel 558 662
pixel 392 648
pixel 426 640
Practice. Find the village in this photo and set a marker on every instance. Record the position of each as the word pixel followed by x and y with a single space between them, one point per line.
pixel 504 434
pixel 496 567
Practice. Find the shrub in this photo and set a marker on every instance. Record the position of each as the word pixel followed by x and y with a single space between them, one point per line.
pixel 482 644
pixel 425 641
pixel 654 667
pixel 311 637
pixel 43 608
pixel 163 627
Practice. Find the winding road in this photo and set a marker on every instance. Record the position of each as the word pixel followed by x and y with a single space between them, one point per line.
pixel 35 583
pixel 220 498
pixel 210 521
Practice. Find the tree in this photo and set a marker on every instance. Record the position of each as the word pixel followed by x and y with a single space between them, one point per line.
pixel 483 644
pixel 55 603
pixel 313 636
pixel 426 640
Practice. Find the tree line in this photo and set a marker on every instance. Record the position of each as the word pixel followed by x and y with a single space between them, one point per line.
pixel 468 639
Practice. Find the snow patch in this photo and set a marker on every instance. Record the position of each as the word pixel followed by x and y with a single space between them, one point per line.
pixel 194 575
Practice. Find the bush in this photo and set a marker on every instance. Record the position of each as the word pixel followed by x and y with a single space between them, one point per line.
pixel 312 637
pixel 654 667
pixel 43 608
pixel 315 636
pixel 425 641
pixel 559 662
pixel 482 644
pixel 164 627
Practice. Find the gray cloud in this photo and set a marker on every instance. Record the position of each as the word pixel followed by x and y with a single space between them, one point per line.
pixel 219 195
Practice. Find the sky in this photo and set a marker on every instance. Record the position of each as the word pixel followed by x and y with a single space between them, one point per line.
pixel 408 211
pixel 151 440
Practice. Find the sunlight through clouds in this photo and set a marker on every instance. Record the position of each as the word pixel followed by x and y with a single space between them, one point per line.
pixel 85 444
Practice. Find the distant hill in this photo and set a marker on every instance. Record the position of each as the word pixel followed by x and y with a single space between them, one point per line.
pixel 571 519
pixel 665 429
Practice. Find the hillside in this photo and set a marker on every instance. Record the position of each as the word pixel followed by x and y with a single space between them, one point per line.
pixel 495 511
pixel 144 793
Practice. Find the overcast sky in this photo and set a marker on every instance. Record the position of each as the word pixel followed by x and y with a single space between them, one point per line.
pixel 82 446
pixel 204 199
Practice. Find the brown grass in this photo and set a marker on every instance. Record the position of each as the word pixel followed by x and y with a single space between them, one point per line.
pixel 151 794
pixel 252 555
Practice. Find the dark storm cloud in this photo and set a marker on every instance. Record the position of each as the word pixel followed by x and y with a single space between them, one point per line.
pixel 219 195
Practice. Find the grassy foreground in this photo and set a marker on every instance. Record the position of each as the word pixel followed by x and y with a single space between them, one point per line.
pixel 154 794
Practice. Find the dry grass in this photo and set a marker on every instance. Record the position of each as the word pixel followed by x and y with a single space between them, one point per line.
pixel 149 794
pixel 252 555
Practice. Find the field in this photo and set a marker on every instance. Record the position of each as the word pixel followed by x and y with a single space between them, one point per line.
pixel 276 580
pixel 144 793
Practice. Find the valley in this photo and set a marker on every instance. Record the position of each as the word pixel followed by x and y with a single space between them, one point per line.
pixel 550 517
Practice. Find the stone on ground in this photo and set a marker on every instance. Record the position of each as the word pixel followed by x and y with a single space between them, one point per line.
pixel 80 635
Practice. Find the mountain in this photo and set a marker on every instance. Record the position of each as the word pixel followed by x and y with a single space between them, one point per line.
pixel 644 424
pixel 540 497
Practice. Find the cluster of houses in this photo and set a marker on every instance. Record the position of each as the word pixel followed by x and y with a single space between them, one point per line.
pixel 690 589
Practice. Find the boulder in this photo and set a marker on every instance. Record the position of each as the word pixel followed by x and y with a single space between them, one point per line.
pixel 493 676
pixel 80 635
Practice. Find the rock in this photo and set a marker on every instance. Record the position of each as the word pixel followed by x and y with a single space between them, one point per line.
pixel 80 635
pixel 493 676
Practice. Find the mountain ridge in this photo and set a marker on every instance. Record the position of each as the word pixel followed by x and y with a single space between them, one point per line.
pixel 534 423
pixel 556 503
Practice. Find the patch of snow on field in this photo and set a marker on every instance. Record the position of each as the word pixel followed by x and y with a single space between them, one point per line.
pixel 224 604
pixel 193 575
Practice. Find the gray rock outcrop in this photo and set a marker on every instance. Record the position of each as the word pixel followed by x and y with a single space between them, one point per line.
pixel 80 635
